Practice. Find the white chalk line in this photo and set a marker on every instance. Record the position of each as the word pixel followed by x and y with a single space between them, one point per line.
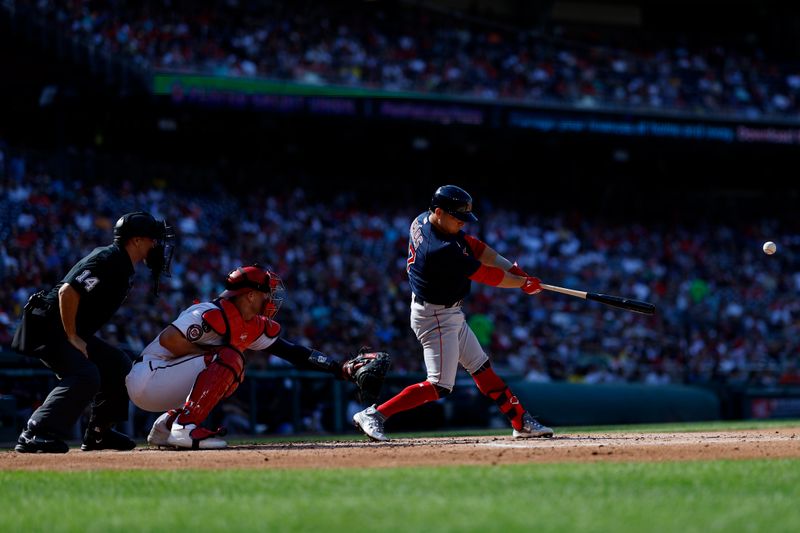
pixel 660 441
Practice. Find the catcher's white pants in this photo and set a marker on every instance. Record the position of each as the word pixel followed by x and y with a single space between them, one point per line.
pixel 447 340
pixel 157 385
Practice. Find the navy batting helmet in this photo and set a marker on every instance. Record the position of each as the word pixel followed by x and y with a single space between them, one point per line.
pixel 455 201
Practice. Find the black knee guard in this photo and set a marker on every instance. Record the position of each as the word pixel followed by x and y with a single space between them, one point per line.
pixel 441 391
pixel 483 367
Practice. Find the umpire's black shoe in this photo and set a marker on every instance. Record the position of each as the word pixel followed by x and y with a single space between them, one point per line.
pixel 42 443
pixel 106 440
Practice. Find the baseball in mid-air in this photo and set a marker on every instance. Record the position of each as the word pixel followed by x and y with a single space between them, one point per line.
pixel 769 248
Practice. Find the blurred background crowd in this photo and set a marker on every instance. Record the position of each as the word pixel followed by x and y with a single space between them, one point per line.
pixel 412 46
pixel 727 312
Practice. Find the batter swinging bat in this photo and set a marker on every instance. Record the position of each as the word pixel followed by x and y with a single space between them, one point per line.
pixel 636 306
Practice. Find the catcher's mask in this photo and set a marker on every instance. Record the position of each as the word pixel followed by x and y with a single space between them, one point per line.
pixel 141 224
pixel 256 278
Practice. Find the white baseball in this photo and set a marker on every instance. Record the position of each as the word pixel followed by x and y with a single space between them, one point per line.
pixel 769 248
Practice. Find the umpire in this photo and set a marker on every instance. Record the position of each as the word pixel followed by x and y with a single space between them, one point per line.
pixel 58 326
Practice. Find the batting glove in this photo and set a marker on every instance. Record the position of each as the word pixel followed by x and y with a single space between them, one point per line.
pixel 532 285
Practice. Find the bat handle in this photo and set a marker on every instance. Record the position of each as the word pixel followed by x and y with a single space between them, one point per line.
pixel 563 290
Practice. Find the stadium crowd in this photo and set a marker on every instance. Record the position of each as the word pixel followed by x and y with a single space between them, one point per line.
pixel 397 47
pixel 727 313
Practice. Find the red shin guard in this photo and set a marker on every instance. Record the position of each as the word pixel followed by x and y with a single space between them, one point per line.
pixel 493 386
pixel 223 373
pixel 410 397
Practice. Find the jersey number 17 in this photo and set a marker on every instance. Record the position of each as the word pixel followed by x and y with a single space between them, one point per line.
pixel 412 256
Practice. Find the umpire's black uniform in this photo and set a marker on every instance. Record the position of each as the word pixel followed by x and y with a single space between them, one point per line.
pixel 102 280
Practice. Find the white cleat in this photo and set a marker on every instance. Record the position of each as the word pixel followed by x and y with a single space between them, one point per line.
pixel 370 421
pixel 531 428
pixel 194 438
pixel 159 434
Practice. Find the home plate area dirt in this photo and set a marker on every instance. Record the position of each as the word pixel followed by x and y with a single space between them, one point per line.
pixel 576 448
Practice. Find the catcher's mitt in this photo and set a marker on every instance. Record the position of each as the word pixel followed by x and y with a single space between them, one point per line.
pixel 367 370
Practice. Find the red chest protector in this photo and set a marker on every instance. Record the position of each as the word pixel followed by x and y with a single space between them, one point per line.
pixel 227 322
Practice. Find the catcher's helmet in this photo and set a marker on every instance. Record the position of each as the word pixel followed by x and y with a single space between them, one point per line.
pixel 139 224
pixel 455 201
pixel 255 278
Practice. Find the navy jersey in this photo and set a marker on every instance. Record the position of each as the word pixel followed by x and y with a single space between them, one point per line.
pixel 439 265
pixel 103 279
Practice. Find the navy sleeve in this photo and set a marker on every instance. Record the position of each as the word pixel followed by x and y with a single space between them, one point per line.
pixel 305 358
pixel 294 353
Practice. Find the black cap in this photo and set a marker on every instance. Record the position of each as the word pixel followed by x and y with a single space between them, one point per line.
pixel 138 224
pixel 455 201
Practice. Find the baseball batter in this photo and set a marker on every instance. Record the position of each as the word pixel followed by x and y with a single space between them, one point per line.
pixel 198 359
pixel 443 261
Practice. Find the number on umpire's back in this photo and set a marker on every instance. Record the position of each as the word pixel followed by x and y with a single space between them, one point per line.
pixel 88 282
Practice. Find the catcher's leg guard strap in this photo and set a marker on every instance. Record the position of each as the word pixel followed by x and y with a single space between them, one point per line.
pixel 410 397
pixel 222 375
pixel 495 388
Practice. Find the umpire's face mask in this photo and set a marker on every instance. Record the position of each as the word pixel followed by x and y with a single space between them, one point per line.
pixel 159 258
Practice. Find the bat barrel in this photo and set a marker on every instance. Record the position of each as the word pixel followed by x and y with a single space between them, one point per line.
pixel 637 306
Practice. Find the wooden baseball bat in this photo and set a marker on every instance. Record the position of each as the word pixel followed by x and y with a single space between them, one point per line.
pixel 637 306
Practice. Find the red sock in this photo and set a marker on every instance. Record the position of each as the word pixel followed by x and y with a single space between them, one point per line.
pixel 410 397
pixel 495 388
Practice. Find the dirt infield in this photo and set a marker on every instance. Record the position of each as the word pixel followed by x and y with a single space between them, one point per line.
pixel 579 448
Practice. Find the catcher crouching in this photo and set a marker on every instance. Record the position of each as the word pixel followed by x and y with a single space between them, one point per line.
pixel 198 360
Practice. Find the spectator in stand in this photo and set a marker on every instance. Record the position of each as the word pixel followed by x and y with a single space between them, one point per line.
pixel 405 48
pixel 711 325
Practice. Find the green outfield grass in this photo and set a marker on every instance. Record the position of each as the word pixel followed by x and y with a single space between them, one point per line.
pixel 697 496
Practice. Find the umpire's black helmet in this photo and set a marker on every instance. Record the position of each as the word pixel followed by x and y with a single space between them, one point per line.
pixel 138 224
pixel 455 201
